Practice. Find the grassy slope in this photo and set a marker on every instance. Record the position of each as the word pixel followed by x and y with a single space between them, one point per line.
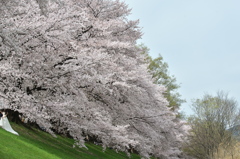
pixel 36 144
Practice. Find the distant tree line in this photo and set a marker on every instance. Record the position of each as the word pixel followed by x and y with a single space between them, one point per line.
pixel 212 126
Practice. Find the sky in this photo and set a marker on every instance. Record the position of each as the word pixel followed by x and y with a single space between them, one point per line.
pixel 200 41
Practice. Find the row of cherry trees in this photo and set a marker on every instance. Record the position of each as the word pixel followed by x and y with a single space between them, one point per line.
pixel 72 67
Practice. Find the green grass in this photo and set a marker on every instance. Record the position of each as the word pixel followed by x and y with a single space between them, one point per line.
pixel 36 144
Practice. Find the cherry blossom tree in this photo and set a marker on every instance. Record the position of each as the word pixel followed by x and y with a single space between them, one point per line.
pixel 72 67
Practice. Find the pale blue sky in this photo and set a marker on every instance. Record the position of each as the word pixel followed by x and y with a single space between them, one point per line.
pixel 199 39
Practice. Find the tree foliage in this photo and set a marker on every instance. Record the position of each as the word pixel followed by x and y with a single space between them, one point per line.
pixel 160 73
pixel 77 71
pixel 214 115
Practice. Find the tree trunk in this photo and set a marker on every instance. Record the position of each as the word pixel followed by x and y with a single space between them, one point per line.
pixel 13 116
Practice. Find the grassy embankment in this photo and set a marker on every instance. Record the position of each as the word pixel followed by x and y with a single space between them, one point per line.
pixel 36 144
pixel 230 153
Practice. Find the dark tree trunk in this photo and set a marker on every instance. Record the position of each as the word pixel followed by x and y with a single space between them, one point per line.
pixel 13 116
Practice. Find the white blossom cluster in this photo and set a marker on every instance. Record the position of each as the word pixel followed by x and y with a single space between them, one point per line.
pixel 73 68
